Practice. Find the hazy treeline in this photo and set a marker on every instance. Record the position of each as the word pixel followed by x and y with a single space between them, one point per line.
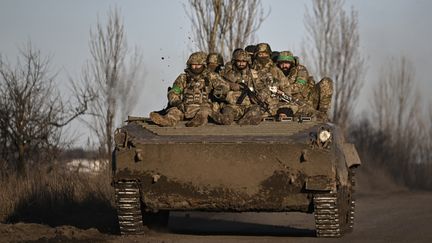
pixel 396 132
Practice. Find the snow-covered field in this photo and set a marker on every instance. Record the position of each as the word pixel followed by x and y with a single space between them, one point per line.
pixel 86 165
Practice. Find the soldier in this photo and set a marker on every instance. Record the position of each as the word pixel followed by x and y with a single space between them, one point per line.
pixel 303 87
pixel 267 70
pixel 251 49
pixel 230 63
pixel 274 78
pixel 240 107
pixel 215 63
pixel 191 93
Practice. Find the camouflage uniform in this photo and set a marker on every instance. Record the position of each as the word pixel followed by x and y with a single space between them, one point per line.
pixel 232 110
pixel 251 49
pixel 325 93
pixel 230 64
pixel 215 63
pixel 303 87
pixel 270 75
pixel 191 95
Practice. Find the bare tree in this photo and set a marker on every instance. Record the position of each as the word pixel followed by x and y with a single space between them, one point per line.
pixel 397 106
pixel 332 49
pixel 395 99
pixel 224 25
pixel 398 137
pixel 32 111
pixel 114 75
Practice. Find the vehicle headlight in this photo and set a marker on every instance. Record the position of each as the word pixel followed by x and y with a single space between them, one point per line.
pixel 324 136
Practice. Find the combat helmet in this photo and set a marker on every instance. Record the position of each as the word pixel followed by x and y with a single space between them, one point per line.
pixel 198 58
pixel 286 56
pixel 263 47
pixel 251 49
pixel 241 55
pixel 215 58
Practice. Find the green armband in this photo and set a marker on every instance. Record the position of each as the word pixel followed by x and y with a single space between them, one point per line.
pixel 301 81
pixel 176 89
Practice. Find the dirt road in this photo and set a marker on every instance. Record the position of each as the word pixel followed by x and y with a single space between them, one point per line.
pixel 396 217
pixel 384 213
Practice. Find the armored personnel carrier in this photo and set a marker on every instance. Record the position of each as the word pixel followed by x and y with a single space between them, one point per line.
pixel 295 165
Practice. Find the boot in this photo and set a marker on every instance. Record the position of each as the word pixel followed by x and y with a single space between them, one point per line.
pixel 200 119
pixel 252 117
pixel 226 118
pixel 217 117
pixel 163 121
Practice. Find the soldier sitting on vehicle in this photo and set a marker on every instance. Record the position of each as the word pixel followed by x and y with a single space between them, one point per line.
pixel 241 105
pixel 191 94
pixel 215 63
pixel 230 63
pixel 267 71
pixel 251 49
pixel 276 82
pixel 314 99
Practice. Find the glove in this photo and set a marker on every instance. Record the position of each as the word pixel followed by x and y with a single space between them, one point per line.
pixel 220 91
pixel 234 86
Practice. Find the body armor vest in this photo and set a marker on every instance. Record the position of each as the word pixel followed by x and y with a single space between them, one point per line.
pixel 196 91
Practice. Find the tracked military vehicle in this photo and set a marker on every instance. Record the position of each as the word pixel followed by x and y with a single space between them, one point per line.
pixel 294 165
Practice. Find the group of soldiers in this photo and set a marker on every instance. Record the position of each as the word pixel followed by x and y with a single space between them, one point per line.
pixel 257 83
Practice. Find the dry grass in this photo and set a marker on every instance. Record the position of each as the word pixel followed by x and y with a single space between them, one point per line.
pixel 59 197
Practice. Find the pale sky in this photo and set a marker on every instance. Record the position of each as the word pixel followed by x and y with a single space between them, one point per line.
pixel 60 28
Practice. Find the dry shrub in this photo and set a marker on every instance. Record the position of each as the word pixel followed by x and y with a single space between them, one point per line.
pixel 55 196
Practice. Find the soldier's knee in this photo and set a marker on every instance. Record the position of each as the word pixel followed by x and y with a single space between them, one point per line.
pixel 175 114
pixel 326 85
pixel 205 110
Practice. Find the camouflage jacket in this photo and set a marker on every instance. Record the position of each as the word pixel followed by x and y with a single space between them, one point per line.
pixel 196 89
pixel 302 85
pixel 247 76
pixel 271 75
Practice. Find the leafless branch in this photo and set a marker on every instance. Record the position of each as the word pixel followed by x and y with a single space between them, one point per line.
pixel 114 76
pixel 32 111
pixel 332 49
pixel 224 25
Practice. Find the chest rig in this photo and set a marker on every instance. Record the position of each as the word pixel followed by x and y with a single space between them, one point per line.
pixel 196 90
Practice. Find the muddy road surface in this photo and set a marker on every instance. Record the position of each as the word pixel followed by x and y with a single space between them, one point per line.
pixel 396 217
pixel 384 213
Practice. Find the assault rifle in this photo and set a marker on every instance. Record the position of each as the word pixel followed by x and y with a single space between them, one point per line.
pixel 253 96
pixel 284 97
